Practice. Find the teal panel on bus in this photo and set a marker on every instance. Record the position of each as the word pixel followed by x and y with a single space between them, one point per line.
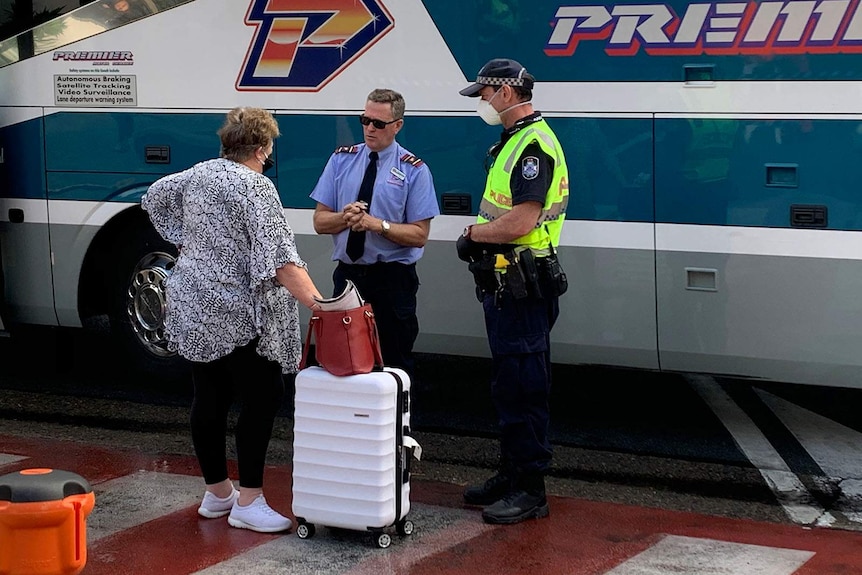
pixel 610 167
pixel 453 148
pixel 610 159
pixel 118 142
pixel 101 187
pixel 750 172
pixel 303 149
pixel 22 170
pixel 98 187
pixel 581 41
pixel 100 156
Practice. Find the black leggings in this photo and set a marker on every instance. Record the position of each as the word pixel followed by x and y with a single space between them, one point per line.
pixel 258 384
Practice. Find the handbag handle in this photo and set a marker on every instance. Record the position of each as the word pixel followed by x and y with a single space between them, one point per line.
pixel 372 329
pixel 375 338
pixel 303 363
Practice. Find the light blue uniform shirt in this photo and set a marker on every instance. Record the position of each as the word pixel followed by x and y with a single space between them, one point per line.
pixel 403 193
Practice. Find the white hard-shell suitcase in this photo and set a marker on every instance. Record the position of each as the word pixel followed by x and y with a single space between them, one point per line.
pixel 352 451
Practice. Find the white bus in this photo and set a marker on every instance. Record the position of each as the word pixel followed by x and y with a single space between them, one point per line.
pixel 715 153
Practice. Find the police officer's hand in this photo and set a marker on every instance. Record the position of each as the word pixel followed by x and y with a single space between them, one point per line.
pixel 468 250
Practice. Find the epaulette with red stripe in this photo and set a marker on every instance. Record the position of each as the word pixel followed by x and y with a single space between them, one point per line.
pixel 346 150
pixel 412 160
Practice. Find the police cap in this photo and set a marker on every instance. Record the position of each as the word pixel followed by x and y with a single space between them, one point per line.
pixel 498 72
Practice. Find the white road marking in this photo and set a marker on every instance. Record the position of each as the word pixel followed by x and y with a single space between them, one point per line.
pixel 351 552
pixel 796 500
pixel 694 556
pixel 7 458
pixel 129 501
pixel 834 447
pixel 134 499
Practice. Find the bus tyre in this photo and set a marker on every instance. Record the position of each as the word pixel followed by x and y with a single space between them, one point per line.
pixel 139 305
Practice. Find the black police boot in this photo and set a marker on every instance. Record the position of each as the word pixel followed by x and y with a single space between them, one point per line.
pixel 526 501
pixel 517 506
pixel 492 490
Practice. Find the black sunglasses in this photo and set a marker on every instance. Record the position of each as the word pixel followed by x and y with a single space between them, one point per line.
pixel 379 124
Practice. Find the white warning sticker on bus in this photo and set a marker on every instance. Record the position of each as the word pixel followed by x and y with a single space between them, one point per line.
pixel 95 90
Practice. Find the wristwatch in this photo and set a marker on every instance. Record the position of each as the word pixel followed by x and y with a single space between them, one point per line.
pixel 384 228
pixel 468 231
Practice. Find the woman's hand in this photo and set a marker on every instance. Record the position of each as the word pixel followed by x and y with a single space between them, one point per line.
pixel 298 283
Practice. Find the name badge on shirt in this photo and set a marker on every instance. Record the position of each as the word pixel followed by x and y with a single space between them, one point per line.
pixel 397 173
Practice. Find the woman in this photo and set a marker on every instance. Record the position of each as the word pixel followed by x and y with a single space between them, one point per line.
pixel 228 310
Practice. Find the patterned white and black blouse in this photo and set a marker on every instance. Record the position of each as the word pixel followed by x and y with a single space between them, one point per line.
pixel 222 293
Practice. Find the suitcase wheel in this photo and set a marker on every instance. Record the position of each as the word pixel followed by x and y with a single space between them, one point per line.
pixel 305 530
pixel 381 540
pixel 404 527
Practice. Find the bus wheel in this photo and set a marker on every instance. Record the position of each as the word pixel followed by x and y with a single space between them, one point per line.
pixel 139 303
pixel 146 302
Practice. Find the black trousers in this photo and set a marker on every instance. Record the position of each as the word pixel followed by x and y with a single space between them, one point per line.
pixel 391 290
pixel 519 338
pixel 258 384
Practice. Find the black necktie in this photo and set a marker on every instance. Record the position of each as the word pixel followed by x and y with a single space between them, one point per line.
pixel 356 240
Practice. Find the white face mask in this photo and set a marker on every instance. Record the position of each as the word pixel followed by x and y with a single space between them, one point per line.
pixel 488 113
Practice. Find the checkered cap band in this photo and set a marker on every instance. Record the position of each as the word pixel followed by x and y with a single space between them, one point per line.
pixel 490 81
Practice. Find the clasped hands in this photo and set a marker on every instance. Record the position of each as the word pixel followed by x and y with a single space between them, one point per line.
pixel 357 218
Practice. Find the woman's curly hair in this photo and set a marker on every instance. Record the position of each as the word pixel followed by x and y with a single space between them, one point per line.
pixel 244 131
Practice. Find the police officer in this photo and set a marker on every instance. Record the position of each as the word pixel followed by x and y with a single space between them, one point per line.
pixel 512 254
pixel 377 200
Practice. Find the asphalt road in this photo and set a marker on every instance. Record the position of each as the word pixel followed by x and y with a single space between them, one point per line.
pixel 624 436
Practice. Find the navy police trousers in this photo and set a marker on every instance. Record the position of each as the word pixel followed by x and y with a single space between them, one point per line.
pixel 519 338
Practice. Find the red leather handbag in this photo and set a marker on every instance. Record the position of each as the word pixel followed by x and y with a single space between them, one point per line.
pixel 346 341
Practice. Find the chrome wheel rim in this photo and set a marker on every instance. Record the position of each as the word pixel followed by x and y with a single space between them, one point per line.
pixel 146 302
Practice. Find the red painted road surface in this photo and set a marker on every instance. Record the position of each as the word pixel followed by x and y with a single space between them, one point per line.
pixel 580 537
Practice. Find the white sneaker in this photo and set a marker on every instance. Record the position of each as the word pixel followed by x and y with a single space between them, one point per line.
pixel 258 516
pixel 212 506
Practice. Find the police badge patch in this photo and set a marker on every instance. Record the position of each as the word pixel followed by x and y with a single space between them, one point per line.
pixel 530 167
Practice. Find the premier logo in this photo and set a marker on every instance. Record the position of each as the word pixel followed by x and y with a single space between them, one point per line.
pixel 715 28
pixel 300 45
pixel 92 56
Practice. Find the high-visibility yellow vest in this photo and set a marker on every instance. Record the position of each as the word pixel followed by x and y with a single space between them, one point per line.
pixel 497 199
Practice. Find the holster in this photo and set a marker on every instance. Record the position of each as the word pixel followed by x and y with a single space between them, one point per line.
pixel 554 277
pixel 516 282
pixel 484 275
pixel 527 263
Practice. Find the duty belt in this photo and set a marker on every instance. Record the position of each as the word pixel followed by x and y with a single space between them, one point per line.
pixel 518 274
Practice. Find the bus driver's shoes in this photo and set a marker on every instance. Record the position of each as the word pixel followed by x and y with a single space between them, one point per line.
pixel 515 507
pixel 492 490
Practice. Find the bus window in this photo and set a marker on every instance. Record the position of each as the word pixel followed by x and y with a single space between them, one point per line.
pixel 32 27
